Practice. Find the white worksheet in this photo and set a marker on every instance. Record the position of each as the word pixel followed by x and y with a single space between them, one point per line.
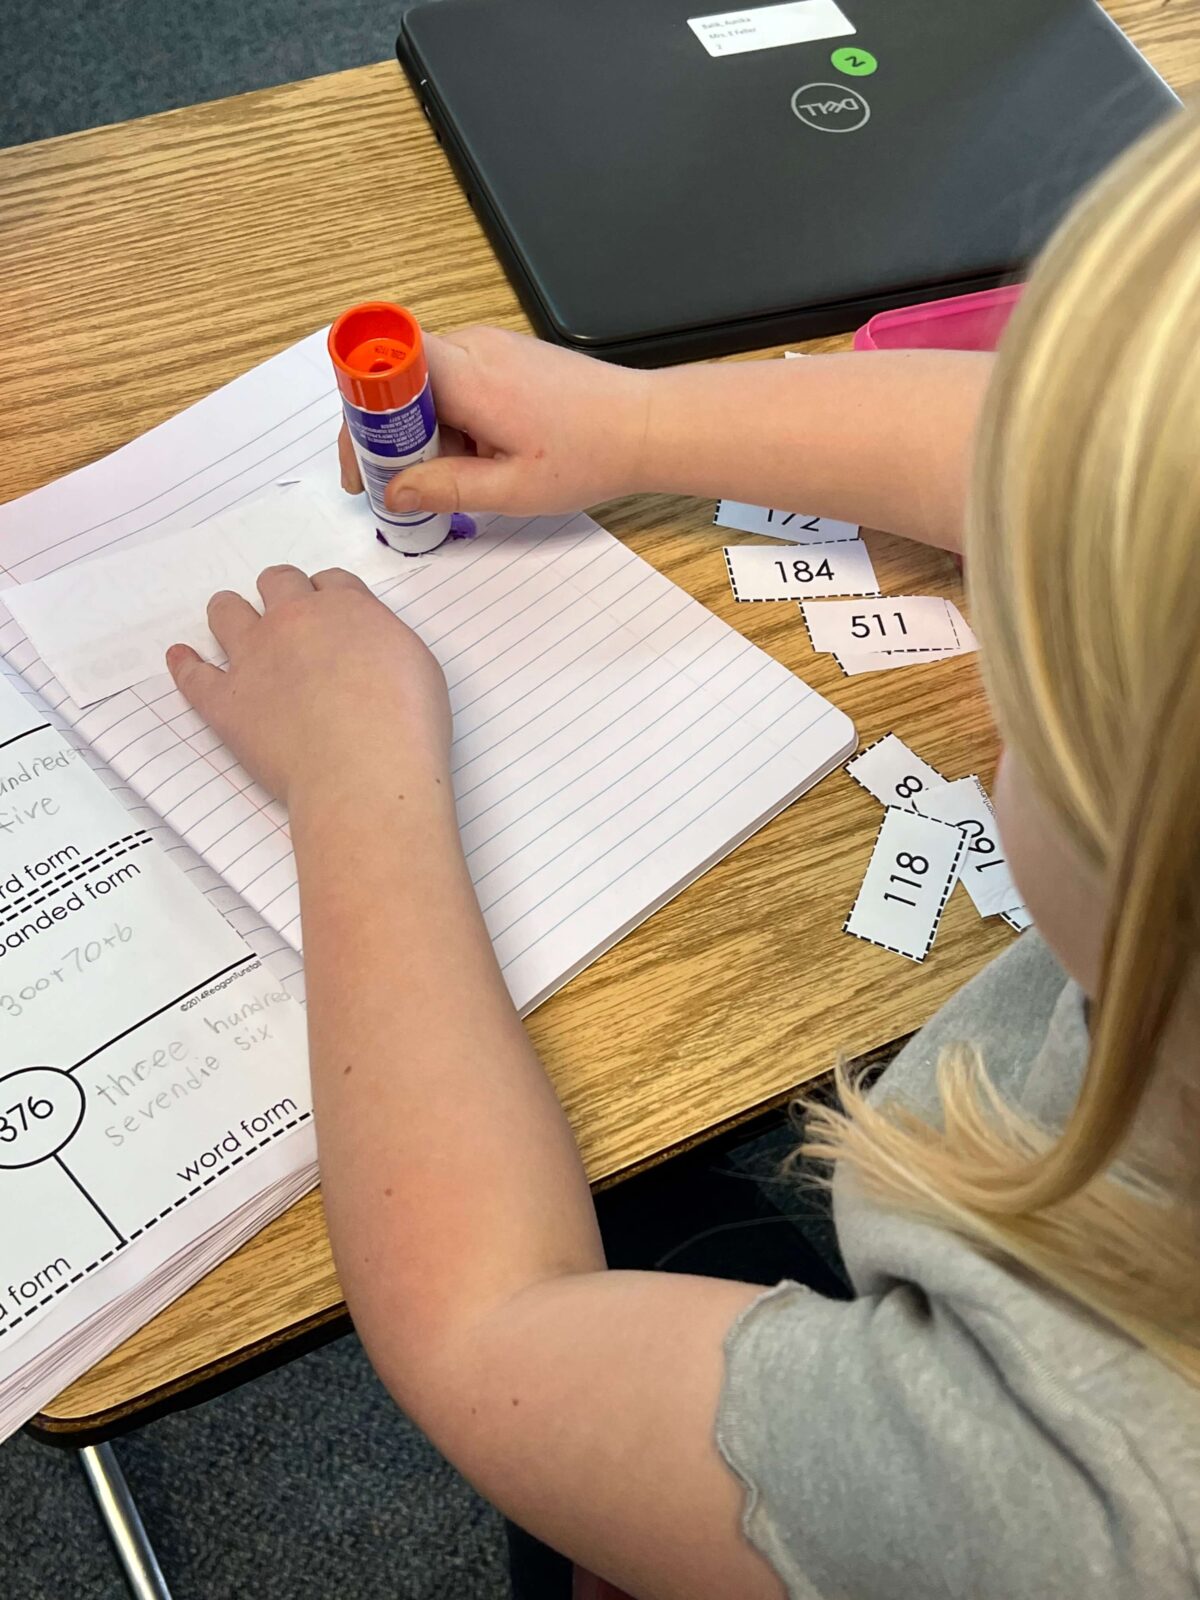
pixel 764 572
pixel 894 774
pixel 903 624
pixel 44 1353
pixel 914 866
pixel 986 874
pixel 145 1050
pixel 104 624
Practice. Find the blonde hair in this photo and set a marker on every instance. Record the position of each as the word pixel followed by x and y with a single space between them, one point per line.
pixel 1083 551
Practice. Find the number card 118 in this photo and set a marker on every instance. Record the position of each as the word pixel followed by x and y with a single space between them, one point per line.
pixel 913 867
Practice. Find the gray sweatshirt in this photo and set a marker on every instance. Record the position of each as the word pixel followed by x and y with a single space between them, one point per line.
pixel 959 1429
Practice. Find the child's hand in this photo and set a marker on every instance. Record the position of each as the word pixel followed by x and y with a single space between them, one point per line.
pixel 323 685
pixel 526 427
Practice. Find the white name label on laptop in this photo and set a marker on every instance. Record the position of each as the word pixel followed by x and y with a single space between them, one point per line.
pixel 732 33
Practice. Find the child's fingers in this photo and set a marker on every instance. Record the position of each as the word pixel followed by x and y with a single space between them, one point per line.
pixel 449 358
pixel 459 395
pixel 199 682
pixel 338 578
pixel 230 619
pixel 351 476
pixel 448 483
pixel 283 582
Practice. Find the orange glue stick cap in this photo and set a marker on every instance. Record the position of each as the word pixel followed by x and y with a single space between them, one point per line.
pixel 378 356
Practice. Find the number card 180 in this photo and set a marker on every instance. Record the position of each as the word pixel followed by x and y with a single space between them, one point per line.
pixel 985 871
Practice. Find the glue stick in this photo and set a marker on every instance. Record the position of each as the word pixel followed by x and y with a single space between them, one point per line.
pixel 379 359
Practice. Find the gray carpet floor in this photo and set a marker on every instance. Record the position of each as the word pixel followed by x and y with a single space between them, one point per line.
pixel 70 64
pixel 306 1484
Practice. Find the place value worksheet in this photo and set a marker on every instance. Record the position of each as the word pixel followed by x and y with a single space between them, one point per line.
pixel 145 1050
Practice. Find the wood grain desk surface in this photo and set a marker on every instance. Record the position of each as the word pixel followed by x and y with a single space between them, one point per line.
pixel 141 266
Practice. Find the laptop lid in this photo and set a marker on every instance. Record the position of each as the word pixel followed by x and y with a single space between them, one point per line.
pixel 662 183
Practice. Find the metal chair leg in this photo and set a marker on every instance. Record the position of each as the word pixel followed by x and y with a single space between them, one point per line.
pixel 134 1550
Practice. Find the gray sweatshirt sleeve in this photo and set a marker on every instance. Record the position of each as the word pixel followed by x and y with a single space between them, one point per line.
pixel 910 1445
pixel 960 1431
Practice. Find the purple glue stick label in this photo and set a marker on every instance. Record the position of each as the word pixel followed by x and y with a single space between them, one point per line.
pixel 384 443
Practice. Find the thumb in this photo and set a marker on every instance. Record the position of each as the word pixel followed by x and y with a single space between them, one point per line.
pixel 450 483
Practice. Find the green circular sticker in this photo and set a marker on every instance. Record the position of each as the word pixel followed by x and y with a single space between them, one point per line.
pixel 853 62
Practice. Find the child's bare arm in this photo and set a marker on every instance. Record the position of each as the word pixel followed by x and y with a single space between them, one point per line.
pixel 582 1403
pixel 884 438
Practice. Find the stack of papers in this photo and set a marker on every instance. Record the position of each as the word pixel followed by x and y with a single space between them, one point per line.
pixel 612 740
pixel 935 834
pixel 154 1102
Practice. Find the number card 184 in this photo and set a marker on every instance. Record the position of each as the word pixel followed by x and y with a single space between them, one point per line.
pixel 764 572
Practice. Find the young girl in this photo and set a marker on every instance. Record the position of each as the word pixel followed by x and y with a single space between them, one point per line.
pixel 1011 1405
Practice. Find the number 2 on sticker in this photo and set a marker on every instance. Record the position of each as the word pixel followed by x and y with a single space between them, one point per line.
pixel 860 625
pixel 910 863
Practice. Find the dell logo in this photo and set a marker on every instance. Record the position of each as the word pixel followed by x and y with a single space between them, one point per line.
pixel 831 107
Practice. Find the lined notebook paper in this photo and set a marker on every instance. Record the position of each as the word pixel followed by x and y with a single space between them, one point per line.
pixel 613 738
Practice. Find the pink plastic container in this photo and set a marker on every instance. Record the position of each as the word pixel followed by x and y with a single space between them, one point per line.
pixel 967 322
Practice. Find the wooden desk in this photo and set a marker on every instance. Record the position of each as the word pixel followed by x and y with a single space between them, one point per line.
pixel 143 265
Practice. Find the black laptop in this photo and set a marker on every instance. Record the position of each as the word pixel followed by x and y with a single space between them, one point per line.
pixel 663 183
